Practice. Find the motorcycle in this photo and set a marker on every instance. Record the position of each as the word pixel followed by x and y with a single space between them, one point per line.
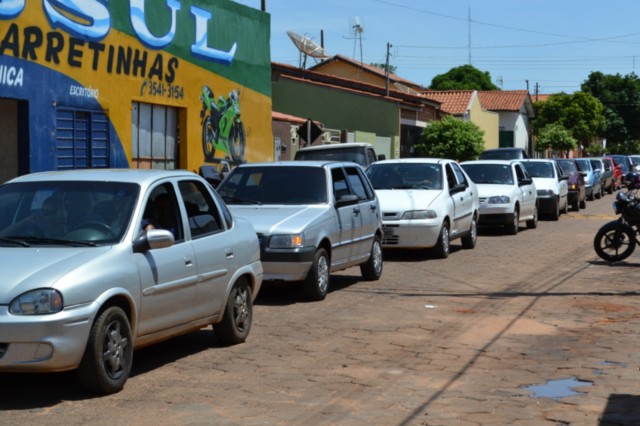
pixel 222 129
pixel 616 240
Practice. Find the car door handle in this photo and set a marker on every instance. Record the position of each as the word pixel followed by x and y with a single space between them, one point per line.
pixel 373 208
pixel 229 254
pixel 356 211
pixel 188 262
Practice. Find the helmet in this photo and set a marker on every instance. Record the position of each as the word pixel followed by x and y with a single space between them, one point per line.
pixel 632 180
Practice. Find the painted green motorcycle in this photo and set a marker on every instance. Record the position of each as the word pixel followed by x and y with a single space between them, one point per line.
pixel 222 129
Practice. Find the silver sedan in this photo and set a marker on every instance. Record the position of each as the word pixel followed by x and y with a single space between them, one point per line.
pixel 98 263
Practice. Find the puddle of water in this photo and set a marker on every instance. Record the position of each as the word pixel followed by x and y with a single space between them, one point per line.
pixel 556 389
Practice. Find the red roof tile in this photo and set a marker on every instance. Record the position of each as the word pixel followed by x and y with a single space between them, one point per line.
pixel 503 100
pixel 454 102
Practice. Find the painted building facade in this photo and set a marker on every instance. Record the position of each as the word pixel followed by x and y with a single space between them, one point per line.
pixel 121 84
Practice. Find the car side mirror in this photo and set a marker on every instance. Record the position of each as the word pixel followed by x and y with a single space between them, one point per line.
pixel 382 157
pixel 457 188
pixel 525 181
pixel 563 177
pixel 153 239
pixel 347 200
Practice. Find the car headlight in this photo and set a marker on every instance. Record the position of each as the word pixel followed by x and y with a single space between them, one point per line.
pixel 545 193
pixel 420 214
pixel 37 302
pixel 573 186
pixel 287 241
pixel 502 199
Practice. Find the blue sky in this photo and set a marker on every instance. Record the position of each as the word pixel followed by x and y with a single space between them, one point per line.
pixel 554 44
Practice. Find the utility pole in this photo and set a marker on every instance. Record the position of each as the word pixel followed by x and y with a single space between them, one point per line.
pixel 469 46
pixel 386 69
pixel 263 5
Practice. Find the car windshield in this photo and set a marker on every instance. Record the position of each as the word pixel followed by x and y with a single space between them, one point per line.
pixel 405 176
pixel 355 155
pixel 584 164
pixel 499 174
pixel 274 185
pixel 568 166
pixel 64 212
pixel 539 169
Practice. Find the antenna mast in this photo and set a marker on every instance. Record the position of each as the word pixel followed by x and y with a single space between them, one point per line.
pixel 358 28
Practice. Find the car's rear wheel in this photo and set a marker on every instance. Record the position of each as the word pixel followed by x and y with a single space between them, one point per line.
pixel 107 359
pixel 238 315
pixel 316 284
pixel 533 222
pixel 372 269
pixel 441 250
pixel 514 226
pixel 469 240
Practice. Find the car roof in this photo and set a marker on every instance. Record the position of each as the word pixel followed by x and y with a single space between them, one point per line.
pixel 537 160
pixel 298 163
pixel 412 161
pixel 504 149
pixel 492 162
pixel 140 176
pixel 336 146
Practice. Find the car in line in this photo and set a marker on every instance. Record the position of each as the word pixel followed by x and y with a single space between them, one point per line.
pixel 84 284
pixel 624 161
pixel 312 218
pixel 606 173
pixel 358 152
pixel 635 159
pixel 426 203
pixel 551 185
pixel 506 191
pixel 592 183
pixel 503 154
pixel 577 192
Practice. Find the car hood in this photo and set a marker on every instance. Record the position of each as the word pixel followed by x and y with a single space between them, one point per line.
pixel 545 183
pixel 27 268
pixel 490 190
pixel 269 220
pixel 406 200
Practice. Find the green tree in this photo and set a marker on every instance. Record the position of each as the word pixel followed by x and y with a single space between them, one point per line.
pixel 556 138
pixel 383 67
pixel 465 77
pixel 580 113
pixel 620 96
pixel 451 138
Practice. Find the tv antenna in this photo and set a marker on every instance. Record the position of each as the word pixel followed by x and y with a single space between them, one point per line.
pixel 357 28
pixel 307 47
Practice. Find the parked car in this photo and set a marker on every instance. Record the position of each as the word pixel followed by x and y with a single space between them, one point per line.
pixel 312 218
pixel 577 192
pixel 623 160
pixel 84 285
pixel 591 178
pixel 606 167
pixel 425 203
pixel 507 194
pixel 551 185
pixel 635 159
pixel 360 153
pixel 504 154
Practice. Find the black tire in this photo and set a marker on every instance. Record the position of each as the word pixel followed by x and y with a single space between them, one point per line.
pixel 533 223
pixel 470 239
pixel 238 314
pixel 598 194
pixel 107 359
pixel 237 142
pixel 555 214
pixel 371 270
pixel 566 206
pixel 583 202
pixel 514 226
pixel 610 189
pixel 442 248
pixel 209 137
pixel 615 241
pixel 575 206
pixel 316 284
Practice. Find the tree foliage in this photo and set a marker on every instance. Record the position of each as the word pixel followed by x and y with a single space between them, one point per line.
pixel 620 96
pixel 556 138
pixel 580 113
pixel 465 77
pixel 451 138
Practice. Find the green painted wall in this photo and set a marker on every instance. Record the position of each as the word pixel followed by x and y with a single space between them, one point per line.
pixel 336 109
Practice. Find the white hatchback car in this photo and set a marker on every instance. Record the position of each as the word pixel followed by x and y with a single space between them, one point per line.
pixel 551 185
pixel 425 203
pixel 507 193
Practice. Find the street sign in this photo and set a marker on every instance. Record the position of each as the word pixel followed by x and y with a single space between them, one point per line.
pixel 309 131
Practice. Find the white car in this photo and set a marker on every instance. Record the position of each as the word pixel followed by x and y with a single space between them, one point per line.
pixel 507 193
pixel 551 185
pixel 425 203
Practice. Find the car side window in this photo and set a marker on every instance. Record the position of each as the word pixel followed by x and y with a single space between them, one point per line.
pixel 459 174
pixel 520 174
pixel 161 211
pixel 451 177
pixel 202 213
pixel 340 186
pixel 358 183
pixel 371 157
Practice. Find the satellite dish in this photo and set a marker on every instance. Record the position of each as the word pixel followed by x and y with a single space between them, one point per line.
pixel 307 47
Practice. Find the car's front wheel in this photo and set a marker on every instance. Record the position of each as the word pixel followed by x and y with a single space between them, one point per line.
pixel 372 269
pixel 514 226
pixel 555 214
pixel 441 250
pixel 533 222
pixel 316 284
pixel 469 241
pixel 236 322
pixel 107 359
